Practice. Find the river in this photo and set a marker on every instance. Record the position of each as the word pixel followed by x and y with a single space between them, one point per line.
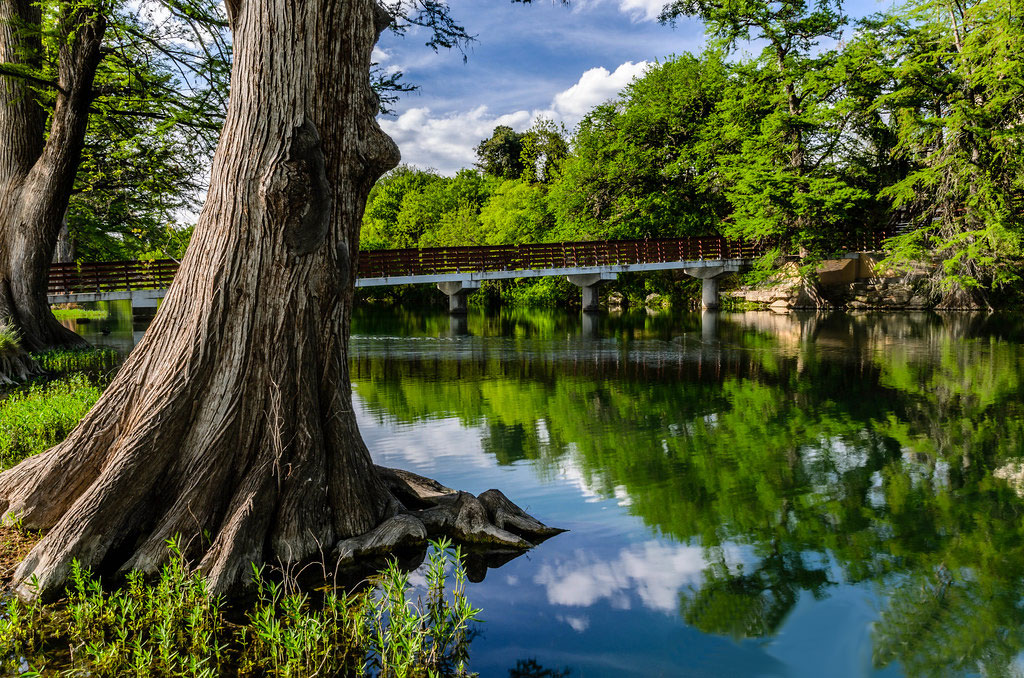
pixel 747 494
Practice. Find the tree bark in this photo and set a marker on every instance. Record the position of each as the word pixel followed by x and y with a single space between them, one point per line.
pixel 36 178
pixel 64 251
pixel 231 423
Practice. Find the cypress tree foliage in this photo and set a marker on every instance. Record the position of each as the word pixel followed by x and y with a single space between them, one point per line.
pixel 957 75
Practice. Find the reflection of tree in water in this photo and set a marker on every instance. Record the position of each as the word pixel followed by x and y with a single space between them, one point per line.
pixel 866 443
pixel 529 668
pixel 751 604
pixel 937 625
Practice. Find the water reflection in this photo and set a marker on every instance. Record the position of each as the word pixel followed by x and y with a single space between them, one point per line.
pixel 749 494
pixel 789 461
pixel 117 330
pixel 652 573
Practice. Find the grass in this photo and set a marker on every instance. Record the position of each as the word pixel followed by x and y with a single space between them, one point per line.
pixel 174 627
pixel 10 342
pixel 15 544
pixel 36 418
pixel 79 313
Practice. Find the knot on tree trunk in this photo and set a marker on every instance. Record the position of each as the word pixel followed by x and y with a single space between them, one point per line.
pixel 296 192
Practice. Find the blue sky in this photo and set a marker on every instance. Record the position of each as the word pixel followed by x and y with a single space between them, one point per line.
pixel 545 59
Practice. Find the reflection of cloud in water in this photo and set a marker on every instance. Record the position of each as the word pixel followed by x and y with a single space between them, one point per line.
pixel 578 624
pixel 421 444
pixel 571 472
pixel 653 571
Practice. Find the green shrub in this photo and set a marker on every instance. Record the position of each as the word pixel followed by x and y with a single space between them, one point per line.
pixel 10 341
pixel 42 415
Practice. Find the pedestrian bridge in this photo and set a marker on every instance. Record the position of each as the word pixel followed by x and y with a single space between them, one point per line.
pixel 457 271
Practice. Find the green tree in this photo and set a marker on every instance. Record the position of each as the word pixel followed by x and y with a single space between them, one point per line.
pixel 501 154
pixel 544 150
pixel 380 220
pixel 62 66
pixel 959 73
pixel 784 119
pixel 516 213
pixel 645 165
pixel 149 140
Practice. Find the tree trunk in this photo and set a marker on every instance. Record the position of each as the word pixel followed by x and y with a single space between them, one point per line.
pixel 36 179
pixel 64 251
pixel 231 423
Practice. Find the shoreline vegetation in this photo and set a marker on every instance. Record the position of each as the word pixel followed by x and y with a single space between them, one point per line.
pixel 173 626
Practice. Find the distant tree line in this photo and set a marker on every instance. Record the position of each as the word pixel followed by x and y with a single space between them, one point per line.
pixel 911 118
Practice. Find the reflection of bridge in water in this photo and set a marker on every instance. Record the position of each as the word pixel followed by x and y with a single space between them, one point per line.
pixel 457 271
pixel 722 348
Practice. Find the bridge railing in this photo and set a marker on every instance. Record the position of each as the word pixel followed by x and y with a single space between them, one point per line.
pixel 140 275
pixel 110 276
pixel 440 260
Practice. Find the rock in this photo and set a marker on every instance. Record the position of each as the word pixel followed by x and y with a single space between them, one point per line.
pixel 617 301
pixel 657 301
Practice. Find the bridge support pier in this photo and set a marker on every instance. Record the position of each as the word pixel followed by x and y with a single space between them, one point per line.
pixel 144 304
pixel 457 292
pixel 590 283
pixel 709 275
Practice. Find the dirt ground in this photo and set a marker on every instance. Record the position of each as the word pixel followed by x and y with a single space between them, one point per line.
pixel 14 545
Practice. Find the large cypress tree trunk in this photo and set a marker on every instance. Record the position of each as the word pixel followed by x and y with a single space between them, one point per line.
pixel 36 178
pixel 231 423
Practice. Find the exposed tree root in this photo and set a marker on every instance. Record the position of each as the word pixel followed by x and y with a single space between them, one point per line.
pixel 960 299
pixel 427 510
pixel 16 368
pixel 495 529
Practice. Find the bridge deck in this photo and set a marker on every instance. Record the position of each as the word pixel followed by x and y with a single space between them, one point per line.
pixel 128 279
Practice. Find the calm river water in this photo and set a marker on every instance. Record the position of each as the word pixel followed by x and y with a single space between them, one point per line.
pixel 748 494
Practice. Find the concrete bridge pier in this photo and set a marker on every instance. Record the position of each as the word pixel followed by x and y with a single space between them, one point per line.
pixel 144 304
pixel 709 275
pixel 458 292
pixel 591 283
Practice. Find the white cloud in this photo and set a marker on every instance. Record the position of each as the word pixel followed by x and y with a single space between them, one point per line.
pixel 578 624
pixel 446 142
pixel 638 10
pixel 642 10
pixel 594 87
